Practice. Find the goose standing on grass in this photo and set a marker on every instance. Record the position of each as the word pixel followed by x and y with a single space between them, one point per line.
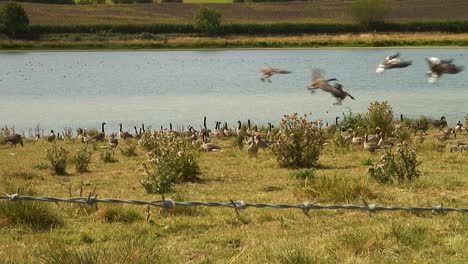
pixel 102 135
pixel 124 134
pixel 438 67
pixel 14 139
pixel 267 72
pixel 392 62
pixel 336 90
pixel 252 149
pixel 51 137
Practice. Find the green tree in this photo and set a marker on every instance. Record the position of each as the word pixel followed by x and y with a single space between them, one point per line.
pixel 369 12
pixel 14 18
pixel 207 20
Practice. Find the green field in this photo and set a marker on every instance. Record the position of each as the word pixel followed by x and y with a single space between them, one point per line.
pixel 127 234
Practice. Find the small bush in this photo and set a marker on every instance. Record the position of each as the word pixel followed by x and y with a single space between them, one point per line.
pixel 129 150
pixel 82 159
pixel 238 141
pixel 299 142
pixel 108 155
pixel 173 159
pixel 356 122
pixel 119 214
pixel 403 135
pixel 304 174
pixel 37 215
pixel 369 12
pixel 380 114
pixel 207 20
pixel 397 166
pixel 57 156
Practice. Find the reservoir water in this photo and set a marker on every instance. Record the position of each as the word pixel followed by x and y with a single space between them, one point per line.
pixel 82 89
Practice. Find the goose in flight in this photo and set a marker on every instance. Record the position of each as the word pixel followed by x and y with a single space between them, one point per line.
pixel 267 72
pixel 391 62
pixel 438 67
pixel 336 90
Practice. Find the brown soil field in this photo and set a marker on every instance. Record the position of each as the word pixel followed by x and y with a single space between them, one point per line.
pixel 325 11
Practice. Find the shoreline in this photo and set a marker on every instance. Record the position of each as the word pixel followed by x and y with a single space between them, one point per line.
pixel 92 42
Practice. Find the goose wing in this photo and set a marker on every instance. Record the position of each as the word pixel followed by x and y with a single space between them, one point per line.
pixel 281 71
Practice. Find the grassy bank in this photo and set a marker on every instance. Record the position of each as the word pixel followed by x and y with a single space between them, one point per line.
pixel 171 41
pixel 127 234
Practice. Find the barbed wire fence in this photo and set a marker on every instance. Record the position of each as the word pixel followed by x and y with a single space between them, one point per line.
pixel 237 205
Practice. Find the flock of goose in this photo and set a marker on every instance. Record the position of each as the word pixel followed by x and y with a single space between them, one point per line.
pixel 437 68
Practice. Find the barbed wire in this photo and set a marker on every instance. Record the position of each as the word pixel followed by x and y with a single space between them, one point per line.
pixel 169 203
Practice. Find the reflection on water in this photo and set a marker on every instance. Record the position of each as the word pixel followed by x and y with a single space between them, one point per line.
pixel 82 89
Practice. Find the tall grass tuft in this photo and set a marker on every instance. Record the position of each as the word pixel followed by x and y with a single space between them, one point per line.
pixel 57 156
pixel 137 249
pixel 39 216
pixel 410 235
pixel 297 257
pixel 337 189
pixel 119 214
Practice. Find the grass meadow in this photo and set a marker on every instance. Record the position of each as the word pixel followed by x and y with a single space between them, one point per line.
pixel 133 234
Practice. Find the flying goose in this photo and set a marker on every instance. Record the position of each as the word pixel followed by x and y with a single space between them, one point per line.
pixel 438 67
pixel 267 72
pixel 335 90
pixel 391 62
pixel 14 139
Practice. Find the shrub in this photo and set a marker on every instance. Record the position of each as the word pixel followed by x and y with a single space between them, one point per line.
pixel 82 159
pixel 14 18
pixel 369 12
pixel 57 156
pixel 207 20
pixel 380 114
pixel 37 215
pixel 403 135
pixel 129 150
pixel 239 141
pixel 108 155
pixel 299 142
pixel 357 122
pixel 173 160
pixel 397 166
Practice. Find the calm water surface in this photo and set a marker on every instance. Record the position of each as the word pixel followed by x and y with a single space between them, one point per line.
pixel 82 89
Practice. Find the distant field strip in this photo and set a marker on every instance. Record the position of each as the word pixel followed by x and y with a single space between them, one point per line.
pixel 293 12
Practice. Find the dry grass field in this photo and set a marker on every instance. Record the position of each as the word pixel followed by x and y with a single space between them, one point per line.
pixel 127 234
pixel 329 11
